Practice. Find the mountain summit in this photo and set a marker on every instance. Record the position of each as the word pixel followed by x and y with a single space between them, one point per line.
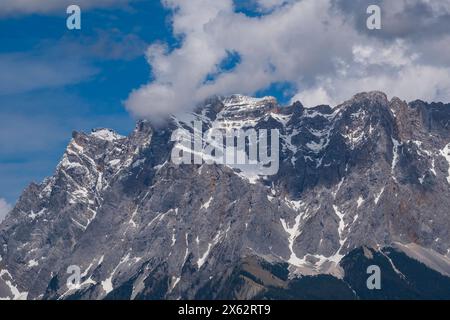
pixel 364 183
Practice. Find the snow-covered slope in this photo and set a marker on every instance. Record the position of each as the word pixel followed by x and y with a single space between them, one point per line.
pixel 367 173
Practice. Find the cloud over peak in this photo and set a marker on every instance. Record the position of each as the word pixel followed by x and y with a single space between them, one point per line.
pixel 320 47
pixel 5 208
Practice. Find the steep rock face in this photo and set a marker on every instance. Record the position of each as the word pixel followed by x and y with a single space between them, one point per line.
pixel 369 172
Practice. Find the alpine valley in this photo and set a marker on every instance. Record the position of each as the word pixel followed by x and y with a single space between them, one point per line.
pixel 364 183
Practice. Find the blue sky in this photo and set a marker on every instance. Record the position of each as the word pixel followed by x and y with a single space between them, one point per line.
pixel 146 58
pixel 55 81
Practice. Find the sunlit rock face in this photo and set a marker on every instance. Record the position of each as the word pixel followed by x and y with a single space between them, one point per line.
pixel 365 182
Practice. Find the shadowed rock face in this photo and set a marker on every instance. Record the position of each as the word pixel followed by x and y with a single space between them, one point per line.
pixel 368 173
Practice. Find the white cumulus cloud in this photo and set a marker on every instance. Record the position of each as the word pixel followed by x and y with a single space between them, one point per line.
pixel 315 45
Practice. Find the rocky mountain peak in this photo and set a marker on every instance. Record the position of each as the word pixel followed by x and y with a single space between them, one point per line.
pixel 369 172
pixel 106 134
pixel 238 101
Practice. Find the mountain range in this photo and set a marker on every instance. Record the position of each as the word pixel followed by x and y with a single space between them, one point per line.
pixel 364 183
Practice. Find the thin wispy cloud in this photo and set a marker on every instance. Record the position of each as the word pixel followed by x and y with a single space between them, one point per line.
pixel 26 72
pixel 5 208
pixel 52 84
pixel 23 7
pixel 67 61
